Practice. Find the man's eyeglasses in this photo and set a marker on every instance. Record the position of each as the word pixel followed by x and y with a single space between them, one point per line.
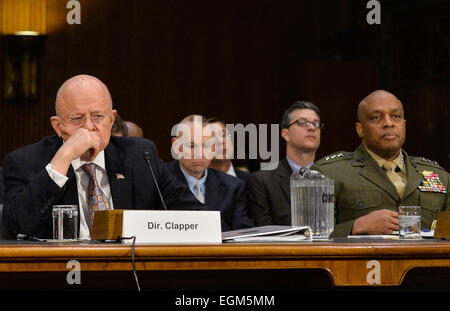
pixel 305 124
pixel 97 119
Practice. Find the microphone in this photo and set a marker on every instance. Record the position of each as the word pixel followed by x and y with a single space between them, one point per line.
pixel 397 169
pixel 147 159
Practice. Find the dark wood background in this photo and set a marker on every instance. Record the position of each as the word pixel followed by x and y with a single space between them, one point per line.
pixel 245 62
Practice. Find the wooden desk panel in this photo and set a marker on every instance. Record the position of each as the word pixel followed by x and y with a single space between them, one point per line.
pixel 349 263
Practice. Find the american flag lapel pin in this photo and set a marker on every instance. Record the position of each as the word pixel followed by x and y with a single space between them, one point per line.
pixel 120 176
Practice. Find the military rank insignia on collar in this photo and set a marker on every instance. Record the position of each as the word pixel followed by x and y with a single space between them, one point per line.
pixel 334 156
pixel 432 183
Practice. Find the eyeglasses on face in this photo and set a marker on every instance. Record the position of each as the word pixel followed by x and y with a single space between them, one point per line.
pixel 305 124
pixel 97 119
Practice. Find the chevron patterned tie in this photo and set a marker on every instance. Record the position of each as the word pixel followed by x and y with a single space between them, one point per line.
pixel 95 197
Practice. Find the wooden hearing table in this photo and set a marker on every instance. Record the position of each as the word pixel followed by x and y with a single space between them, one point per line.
pixel 348 262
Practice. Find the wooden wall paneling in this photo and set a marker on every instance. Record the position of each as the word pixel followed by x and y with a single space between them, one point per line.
pixel 242 61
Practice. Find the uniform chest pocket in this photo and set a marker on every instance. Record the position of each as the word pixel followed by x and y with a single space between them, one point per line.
pixel 358 203
pixel 431 203
pixel 364 199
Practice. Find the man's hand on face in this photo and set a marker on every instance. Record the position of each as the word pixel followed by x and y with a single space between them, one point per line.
pixel 82 144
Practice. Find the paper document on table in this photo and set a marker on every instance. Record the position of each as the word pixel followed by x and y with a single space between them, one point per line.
pixel 269 234
pixel 374 236
pixel 393 236
pixel 271 239
pixel 427 234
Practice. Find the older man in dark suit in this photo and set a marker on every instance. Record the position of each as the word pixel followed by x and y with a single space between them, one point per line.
pixel 83 165
pixel 1 185
pixel 194 148
pixel 269 190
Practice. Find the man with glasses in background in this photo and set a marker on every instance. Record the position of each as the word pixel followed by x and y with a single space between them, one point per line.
pixel 269 191
pixel 84 165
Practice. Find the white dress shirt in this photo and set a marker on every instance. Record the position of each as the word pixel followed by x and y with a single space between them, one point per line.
pixel 82 186
pixel 231 171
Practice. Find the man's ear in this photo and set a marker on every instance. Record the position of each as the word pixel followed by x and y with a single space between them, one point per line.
pixel 176 148
pixel 285 135
pixel 359 130
pixel 173 140
pixel 113 115
pixel 56 121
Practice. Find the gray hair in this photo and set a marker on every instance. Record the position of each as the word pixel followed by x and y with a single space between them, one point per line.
pixel 177 129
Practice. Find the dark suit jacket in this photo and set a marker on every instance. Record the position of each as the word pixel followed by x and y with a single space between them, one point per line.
pixel 224 193
pixel 1 185
pixel 241 174
pixel 30 193
pixel 269 195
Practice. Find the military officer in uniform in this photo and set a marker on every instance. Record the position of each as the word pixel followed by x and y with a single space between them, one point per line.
pixel 372 181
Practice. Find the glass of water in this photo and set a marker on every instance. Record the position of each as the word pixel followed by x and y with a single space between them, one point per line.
pixel 65 222
pixel 409 219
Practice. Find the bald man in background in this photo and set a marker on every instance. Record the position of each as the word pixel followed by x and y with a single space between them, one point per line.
pixel 372 181
pixel 83 156
pixel 193 147
pixel 126 128
pixel 133 129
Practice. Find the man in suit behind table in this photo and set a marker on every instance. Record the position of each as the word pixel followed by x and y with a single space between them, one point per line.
pixel 225 152
pixel 81 161
pixel 194 148
pixel 269 191
pixel 372 181
pixel 1 185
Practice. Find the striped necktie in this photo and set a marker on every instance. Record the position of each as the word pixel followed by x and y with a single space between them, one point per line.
pixel 95 197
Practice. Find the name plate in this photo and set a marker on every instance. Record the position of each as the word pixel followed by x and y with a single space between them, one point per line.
pixel 442 230
pixel 164 227
pixel 160 227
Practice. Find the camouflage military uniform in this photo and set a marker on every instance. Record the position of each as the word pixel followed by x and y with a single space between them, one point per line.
pixel 362 186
